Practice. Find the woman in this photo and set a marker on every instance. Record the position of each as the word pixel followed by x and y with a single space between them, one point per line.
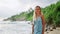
pixel 38 21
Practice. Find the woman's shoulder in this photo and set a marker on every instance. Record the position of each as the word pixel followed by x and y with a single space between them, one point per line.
pixel 41 13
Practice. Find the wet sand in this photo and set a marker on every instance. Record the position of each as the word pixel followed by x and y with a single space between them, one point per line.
pixel 55 31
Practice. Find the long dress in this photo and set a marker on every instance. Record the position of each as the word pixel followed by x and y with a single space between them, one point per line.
pixel 38 26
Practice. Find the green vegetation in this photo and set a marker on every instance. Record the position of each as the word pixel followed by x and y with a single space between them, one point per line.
pixel 51 14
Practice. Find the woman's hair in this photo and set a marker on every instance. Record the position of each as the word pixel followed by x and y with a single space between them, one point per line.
pixel 38 6
pixel 34 14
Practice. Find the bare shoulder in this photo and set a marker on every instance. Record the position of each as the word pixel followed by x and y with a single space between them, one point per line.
pixel 42 14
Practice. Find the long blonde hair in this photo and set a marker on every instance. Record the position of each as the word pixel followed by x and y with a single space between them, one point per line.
pixel 34 14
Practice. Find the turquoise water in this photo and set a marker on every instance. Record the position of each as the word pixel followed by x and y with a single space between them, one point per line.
pixel 18 27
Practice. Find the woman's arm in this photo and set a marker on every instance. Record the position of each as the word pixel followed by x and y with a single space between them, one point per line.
pixel 43 20
pixel 32 28
pixel 43 23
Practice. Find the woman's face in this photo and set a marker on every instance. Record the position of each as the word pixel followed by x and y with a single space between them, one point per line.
pixel 37 10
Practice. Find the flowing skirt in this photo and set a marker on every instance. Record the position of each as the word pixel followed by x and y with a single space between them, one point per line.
pixel 38 26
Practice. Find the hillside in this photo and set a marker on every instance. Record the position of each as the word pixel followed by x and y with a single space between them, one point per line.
pixel 51 14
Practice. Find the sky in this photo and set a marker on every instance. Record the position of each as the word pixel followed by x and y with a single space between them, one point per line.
pixel 9 8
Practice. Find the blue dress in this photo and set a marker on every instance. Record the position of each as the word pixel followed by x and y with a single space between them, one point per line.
pixel 38 26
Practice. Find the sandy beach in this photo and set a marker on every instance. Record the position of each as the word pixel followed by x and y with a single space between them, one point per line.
pixel 55 31
pixel 20 28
